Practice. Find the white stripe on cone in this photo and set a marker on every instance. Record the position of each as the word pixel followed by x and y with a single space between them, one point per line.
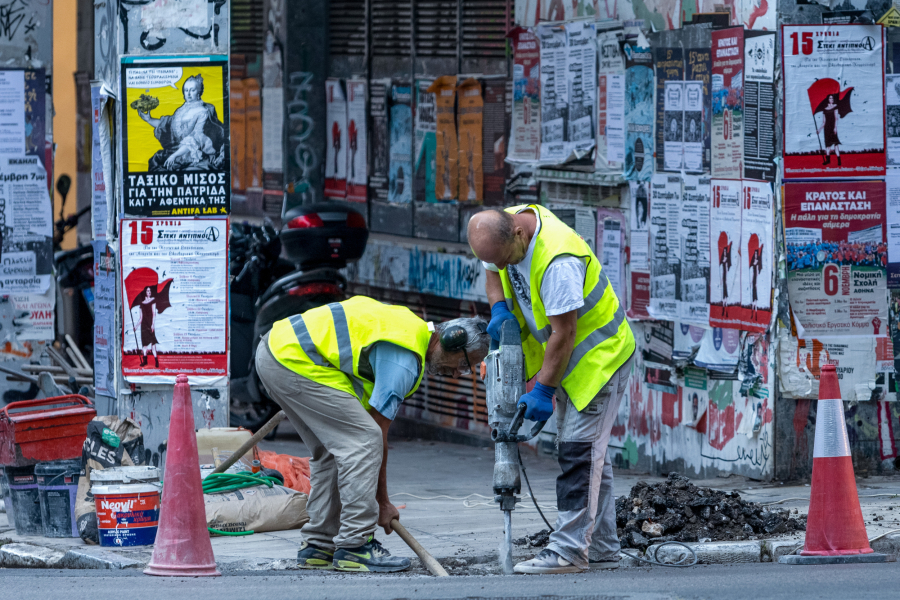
pixel 831 432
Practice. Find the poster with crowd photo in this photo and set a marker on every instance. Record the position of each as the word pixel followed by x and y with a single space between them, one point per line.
pixel 525 139
pixel 669 65
pixel 757 255
pixel 175 136
pixel 728 103
pixel 833 101
pixel 400 172
pixel 697 66
pixel 357 140
pixel 759 105
pixel 426 140
pixel 834 233
pixel 725 253
pixel 665 246
pixel 639 113
pixel 379 90
pixel 175 291
pixel 471 116
pixel 446 170
pixel 610 103
pixel 554 93
pixel 693 233
pixel 581 80
pixel 26 226
pixel 335 140
pixel 105 275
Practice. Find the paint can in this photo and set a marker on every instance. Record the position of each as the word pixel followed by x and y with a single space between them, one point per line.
pixel 57 488
pixel 127 501
pixel 26 503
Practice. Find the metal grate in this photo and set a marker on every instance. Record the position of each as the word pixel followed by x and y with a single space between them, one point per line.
pixel 484 27
pixel 436 33
pixel 390 27
pixel 347 27
pixel 247 27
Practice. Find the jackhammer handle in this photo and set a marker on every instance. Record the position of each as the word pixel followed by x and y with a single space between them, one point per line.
pixel 517 419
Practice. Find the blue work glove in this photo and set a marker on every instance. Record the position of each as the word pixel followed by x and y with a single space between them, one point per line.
pixel 539 402
pixel 499 314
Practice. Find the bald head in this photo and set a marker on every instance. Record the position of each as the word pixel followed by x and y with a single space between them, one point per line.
pixel 497 237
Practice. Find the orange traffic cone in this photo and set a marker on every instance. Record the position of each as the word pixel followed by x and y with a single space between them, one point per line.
pixel 835 531
pixel 182 546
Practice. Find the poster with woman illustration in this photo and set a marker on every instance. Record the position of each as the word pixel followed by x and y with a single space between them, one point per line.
pixel 833 101
pixel 175 300
pixel 725 254
pixel 175 136
pixel 757 255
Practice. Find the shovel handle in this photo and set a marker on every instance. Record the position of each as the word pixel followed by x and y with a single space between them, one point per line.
pixel 248 445
pixel 433 566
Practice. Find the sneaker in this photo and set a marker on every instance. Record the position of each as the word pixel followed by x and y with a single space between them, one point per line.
pixel 547 562
pixel 311 557
pixel 604 563
pixel 370 557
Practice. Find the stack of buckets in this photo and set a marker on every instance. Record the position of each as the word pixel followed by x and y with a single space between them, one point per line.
pixel 40 500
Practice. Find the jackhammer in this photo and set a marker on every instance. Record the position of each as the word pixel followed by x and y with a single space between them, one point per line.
pixel 505 384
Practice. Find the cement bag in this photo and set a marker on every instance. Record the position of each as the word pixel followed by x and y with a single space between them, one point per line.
pixel 256 509
pixel 110 442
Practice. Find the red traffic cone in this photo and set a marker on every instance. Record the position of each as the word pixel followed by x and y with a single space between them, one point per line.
pixel 182 548
pixel 835 531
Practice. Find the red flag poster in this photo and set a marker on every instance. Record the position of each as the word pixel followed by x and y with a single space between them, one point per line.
pixel 833 101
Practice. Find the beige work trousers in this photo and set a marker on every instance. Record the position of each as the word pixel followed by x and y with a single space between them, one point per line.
pixel 346 446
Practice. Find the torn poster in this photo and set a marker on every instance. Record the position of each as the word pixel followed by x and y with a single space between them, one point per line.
pixel 611 247
pixel 471 116
pixel 892 118
pixel 639 114
pixel 640 225
pixel 757 255
pixel 665 246
pixel 693 232
pixel 99 209
pixel 26 223
pixel 446 170
pixel 105 275
pixel 687 340
pixel 525 142
pixel 697 65
pixel 610 104
pixel 495 138
pixel 725 254
pixel 554 93
pixel 378 109
pixel 357 140
pixel 728 103
pixel 800 362
pixel 426 140
pixel 657 355
pixel 833 101
pixel 720 350
pixel 759 105
pixel 581 80
pixel 669 65
pixel 34 316
pixel 400 173
pixel 837 257
pixel 175 136
pixel 175 314
pixel 336 140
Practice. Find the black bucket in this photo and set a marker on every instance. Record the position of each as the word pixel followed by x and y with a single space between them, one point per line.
pixel 26 501
pixel 57 487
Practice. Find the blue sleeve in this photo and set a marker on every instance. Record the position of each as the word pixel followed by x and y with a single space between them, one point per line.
pixel 396 371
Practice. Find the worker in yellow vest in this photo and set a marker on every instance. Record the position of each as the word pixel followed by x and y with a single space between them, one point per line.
pixel 578 346
pixel 340 372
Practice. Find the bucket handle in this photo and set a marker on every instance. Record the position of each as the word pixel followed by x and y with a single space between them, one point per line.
pixel 63 474
pixel 23 405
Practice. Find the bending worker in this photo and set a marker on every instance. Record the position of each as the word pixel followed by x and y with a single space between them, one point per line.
pixel 579 346
pixel 340 372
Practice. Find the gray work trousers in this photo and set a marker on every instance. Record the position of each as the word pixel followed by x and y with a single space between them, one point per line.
pixel 347 449
pixel 586 521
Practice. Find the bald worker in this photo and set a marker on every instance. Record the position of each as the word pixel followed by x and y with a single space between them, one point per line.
pixel 579 347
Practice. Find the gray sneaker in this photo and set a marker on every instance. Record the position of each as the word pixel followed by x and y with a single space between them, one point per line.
pixel 547 562
pixel 370 557
pixel 611 562
pixel 313 557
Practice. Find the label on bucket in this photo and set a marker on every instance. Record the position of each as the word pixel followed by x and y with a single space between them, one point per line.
pixel 128 519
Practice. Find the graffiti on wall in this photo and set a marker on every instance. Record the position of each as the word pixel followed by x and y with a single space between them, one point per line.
pixel 302 153
pixel 26 33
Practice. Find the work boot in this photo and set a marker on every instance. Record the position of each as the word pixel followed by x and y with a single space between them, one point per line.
pixel 312 557
pixel 370 557
pixel 547 562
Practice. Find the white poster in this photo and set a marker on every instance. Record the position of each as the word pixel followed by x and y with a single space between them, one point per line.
pixel 757 255
pixel 554 93
pixel 693 233
pixel 665 246
pixel 105 276
pixel 273 129
pixel 12 115
pixel 335 140
pixel 357 141
pixel 725 253
pixel 611 247
pixel 581 80
pixel 673 135
pixel 586 226
pixel 99 212
pixel 640 225
pixel 693 126
pixel 892 118
pixel 720 350
pixel 696 396
pixel 26 221
pixel 615 118
pixel 34 316
pixel 892 183
pixel 175 313
pixel 610 103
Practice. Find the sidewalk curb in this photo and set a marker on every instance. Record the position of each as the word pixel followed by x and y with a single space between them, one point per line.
pixel 93 557
pixel 29 556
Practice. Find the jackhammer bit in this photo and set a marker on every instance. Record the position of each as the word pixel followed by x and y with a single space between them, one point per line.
pixel 505 385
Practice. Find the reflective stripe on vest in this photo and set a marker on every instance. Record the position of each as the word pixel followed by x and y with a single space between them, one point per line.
pixel 345 350
pixel 305 340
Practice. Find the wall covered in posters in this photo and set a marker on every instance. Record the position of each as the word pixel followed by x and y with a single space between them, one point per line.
pixel 175 309
pixel 175 136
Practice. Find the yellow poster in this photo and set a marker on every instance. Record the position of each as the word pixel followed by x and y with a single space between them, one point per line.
pixel 471 115
pixel 445 171
pixel 175 142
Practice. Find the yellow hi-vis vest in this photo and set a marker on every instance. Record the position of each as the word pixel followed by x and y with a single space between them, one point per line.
pixel 603 338
pixel 325 344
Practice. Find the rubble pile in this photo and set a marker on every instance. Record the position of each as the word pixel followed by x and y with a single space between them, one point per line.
pixel 677 510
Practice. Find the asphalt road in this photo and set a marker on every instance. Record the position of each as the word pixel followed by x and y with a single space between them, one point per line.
pixel 735 582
